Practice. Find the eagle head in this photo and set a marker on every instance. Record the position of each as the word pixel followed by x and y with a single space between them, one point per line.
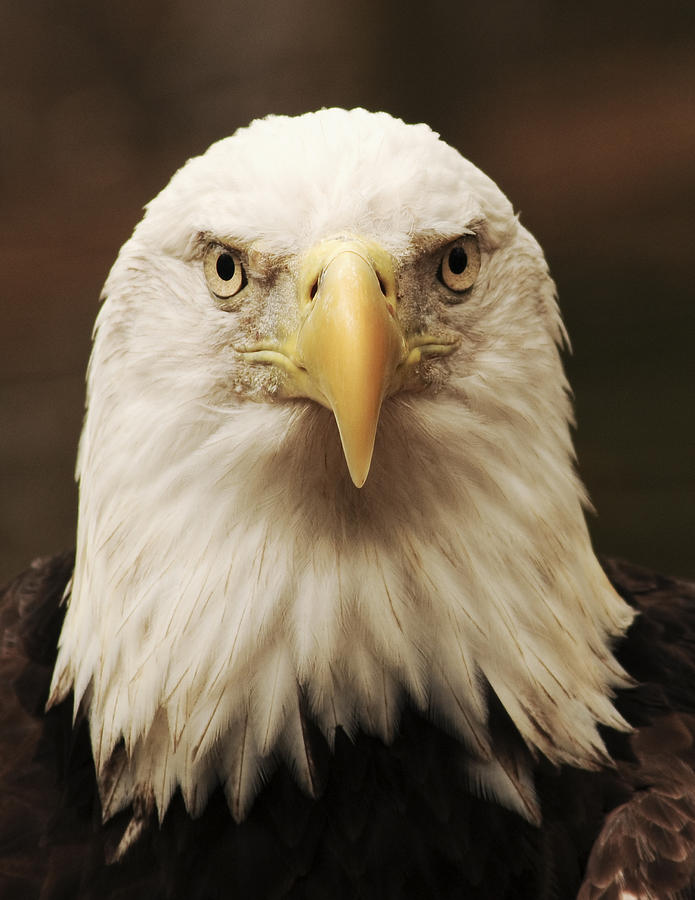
pixel 326 470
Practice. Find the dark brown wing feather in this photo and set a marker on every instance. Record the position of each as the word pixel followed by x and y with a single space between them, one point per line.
pixel 394 821
pixel 646 846
pixel 30 761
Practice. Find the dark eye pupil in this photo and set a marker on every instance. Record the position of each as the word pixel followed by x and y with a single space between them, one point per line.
pixel 225 266
pixel 458 260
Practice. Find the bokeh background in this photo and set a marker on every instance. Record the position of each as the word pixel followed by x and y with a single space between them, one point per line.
pixel 584 113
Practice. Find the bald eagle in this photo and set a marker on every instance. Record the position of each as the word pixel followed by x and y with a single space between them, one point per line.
pixel 334 626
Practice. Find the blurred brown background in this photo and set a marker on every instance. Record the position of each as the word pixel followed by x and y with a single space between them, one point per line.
pixel 583 113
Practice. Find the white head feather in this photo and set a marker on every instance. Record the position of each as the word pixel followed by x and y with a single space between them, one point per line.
pixel 226 562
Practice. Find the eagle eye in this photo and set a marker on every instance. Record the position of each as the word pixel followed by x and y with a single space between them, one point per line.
pixel 460 264
pixel 224 272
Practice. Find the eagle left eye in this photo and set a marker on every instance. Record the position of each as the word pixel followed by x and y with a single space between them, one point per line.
pixel 460 264
pixel 224 272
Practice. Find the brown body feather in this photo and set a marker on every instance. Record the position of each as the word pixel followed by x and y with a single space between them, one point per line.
pixel 394 821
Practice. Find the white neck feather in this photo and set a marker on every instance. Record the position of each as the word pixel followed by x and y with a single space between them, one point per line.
pixel 446 570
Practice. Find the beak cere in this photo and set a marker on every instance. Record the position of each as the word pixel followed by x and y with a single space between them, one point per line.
pixel 350 343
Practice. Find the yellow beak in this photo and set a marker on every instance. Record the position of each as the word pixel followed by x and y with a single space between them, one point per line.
pixel 350 342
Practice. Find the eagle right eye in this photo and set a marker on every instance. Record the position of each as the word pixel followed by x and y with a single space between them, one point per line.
pixel 224 271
